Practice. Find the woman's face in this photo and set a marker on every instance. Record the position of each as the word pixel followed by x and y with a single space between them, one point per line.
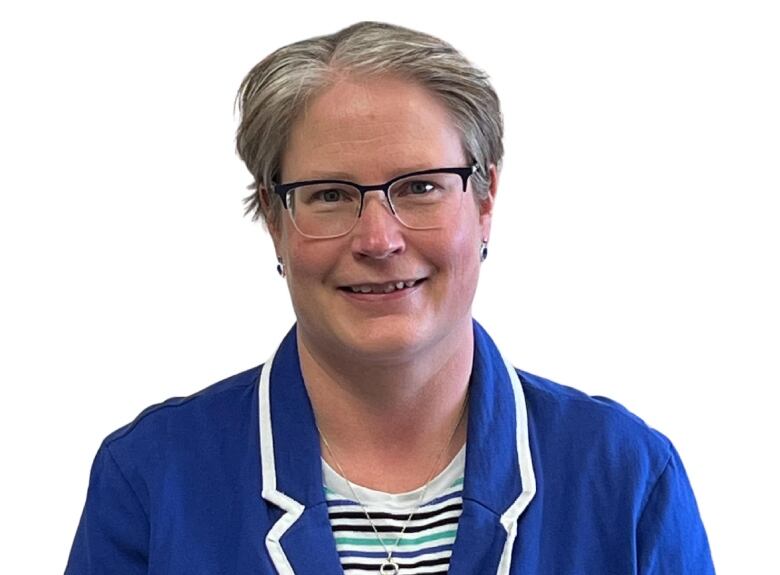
pixel 369 132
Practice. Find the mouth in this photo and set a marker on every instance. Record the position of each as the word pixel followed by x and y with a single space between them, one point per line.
pixel 382 288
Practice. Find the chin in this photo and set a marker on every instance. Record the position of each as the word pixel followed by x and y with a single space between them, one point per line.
pixel 387 339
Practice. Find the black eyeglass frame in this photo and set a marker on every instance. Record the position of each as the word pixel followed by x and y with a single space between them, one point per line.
pixel 464 173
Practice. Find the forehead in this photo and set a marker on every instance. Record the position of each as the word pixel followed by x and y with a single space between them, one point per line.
pixel 370 130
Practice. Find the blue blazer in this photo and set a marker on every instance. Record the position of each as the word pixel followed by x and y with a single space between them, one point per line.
pixel 229 481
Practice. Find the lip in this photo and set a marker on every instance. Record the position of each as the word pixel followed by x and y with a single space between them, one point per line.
pixel 381 296
pixel 379 286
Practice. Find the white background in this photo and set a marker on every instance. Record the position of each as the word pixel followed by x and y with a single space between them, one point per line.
pixel 634 253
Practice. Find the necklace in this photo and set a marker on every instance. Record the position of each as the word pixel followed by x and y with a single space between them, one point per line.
pixel 389 566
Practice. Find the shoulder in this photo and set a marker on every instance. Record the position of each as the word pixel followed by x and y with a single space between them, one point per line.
pixel 570 409
pixel 168 467
pixel 168 429
pixel 594 434
pixel 604 475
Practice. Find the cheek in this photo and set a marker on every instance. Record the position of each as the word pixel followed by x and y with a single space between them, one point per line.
pixel 310 264
pixel 459 255
pixel 304 268
pixel 468 239
pixel 299 263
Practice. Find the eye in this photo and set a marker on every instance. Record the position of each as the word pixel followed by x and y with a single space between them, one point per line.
pixel 416 188
pixel 329 196
pixel 326 194
pixel 421 187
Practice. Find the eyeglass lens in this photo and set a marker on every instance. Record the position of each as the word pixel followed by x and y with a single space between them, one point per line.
pixel 419 202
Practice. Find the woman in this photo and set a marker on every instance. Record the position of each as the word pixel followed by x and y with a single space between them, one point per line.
pixel 386 434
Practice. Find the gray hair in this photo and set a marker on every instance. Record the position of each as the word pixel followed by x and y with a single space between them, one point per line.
pixel 277 89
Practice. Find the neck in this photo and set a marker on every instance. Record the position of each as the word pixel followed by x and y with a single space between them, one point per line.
pixel 388 424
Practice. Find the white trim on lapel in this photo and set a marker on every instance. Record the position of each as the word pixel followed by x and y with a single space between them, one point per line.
pixel 509 517
pixel 293 509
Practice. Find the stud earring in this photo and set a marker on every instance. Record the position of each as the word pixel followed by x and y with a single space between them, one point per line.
pixel 280 267
pixel 483 251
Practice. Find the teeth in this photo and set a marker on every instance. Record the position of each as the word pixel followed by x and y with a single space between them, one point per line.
pixel 383 288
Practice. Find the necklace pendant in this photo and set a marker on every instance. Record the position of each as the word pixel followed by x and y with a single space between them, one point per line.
pixel 389 567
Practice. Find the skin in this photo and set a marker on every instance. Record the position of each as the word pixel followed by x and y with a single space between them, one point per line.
pixel 387 373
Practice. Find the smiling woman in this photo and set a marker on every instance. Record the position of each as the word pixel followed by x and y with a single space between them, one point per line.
pixel 387 434
pixel 409 130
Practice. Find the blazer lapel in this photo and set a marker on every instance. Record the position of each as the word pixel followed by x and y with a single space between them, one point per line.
pixel 499 481
pixel 479 543
pixel 301 541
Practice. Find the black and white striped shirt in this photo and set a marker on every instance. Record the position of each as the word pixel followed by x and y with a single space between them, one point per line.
pixel 426 545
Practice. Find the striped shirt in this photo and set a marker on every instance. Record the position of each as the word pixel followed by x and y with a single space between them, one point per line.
pixel 426 545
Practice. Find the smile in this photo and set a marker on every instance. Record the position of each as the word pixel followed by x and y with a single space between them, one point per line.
pixel 388 287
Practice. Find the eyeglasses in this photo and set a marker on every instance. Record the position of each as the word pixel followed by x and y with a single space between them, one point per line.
pixel 422 200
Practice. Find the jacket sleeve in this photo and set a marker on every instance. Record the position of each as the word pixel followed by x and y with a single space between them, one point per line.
pixel 113 534
pixel 670 533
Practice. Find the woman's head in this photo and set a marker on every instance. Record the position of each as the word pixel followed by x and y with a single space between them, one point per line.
pixel 277 90
pixel 369 105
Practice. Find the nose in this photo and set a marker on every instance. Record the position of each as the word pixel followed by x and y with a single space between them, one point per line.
pixel 377 234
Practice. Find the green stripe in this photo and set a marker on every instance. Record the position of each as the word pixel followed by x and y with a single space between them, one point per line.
pixel 457 482
pixel 404 542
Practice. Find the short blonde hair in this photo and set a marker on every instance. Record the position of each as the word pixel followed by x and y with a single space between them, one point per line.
pixel 277 89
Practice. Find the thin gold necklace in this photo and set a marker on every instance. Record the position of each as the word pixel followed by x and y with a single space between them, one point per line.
pixel 389 566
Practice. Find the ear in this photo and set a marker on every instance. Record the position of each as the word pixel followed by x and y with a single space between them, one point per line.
pixel 274 227
pixel 486 205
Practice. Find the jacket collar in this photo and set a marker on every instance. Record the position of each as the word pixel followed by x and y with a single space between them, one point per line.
pixel 498 457
pixel 287 425
pixel 499 481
